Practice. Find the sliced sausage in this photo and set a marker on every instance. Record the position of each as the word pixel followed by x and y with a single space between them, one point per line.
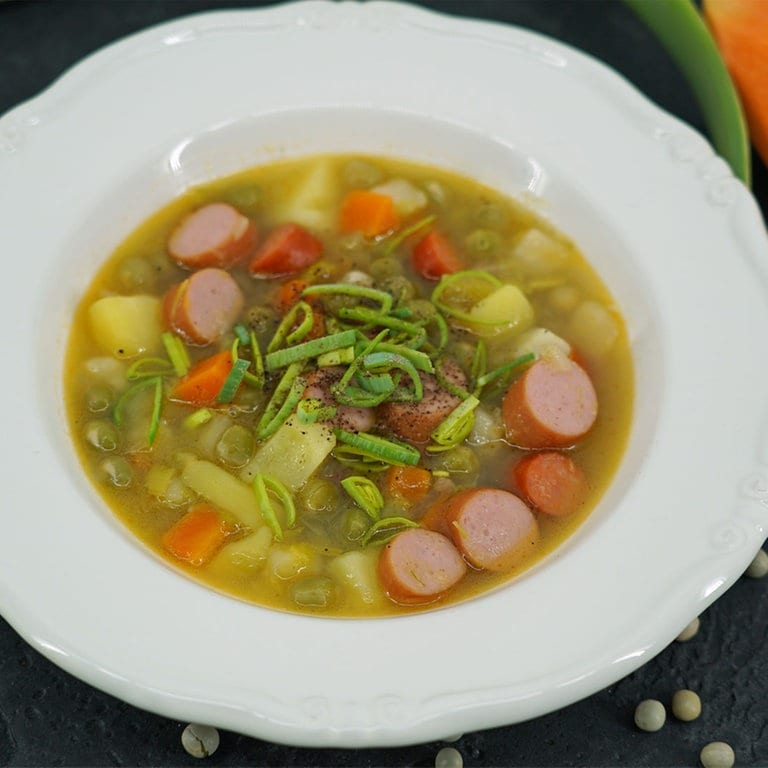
pixel 287 250
pixel 552 405
pixel 203 307
pixel 415 421
pixel 418 566
pixel 347 417
pixel 552 482
pixel 216 235
pixel 493 529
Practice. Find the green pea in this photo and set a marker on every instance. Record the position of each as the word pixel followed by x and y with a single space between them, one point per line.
pixel 384 267
pixel 686 705
pixel 460 460
pixel 717 754
pixel 449 757
pixel 336 301
pixel 319 496
pixel 246 197
pixel 161 265
pixel 421 309
pixel 99 398
pixel 102 434
pixel 312 592
pixel 117 471
pixel 261 319
pixel 135 273
pixel 483 242
pixel 398 287
pixel 650 715
pixel 491 215
pixel 235 446
pixel 354 524
pixel 361 173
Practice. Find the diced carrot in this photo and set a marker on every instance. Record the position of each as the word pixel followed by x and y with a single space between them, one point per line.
pixel 551 481
pixel 409 483
pixel 434 256
pixel 204 381
pixel 289 294
pixel 371 213
pixel 197 536
pixel 288 249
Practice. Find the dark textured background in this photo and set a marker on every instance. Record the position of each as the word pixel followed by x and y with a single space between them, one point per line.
pixel 50 718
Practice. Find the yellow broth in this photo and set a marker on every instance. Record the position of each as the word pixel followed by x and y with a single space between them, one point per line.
pixel 489 232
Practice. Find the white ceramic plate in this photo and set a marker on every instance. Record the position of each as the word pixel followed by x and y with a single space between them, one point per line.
pixel 677 238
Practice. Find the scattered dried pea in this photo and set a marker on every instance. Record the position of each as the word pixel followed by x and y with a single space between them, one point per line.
pixel 686 705
pixel 448 757
pixel 650 715
pixel 759 566
pixel 717 754
pixel 200 740
pixel 689 632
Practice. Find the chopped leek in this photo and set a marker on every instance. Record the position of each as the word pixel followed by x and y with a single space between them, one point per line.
pixel 233 381
pixel 390 526
pixel 379 448
pixel 177 353
pixel 154 422
pixel 502 370
pixel 242 334
pixel 262 485
pixel 308 349
pixel 460 278
pixel 407 232
pixel 342 356
pixel 284 399
pixel 365 493
pixel 312 409
pixel 349 289
pixel 148 367
pixel 284 332
pixel 198 418
pixel 455 427
pixel 258 362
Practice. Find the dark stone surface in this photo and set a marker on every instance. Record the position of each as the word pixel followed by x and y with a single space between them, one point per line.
pixel 49 718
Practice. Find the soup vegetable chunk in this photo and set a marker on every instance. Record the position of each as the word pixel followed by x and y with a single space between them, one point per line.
pixel 349 386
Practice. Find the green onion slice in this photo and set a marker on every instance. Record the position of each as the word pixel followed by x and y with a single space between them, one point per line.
pixel 379 447
pixel 502 370
pixel 312 409
pixel 449 281
pixel 348 289
pixel 284 399
pixel 177 353
pixel 262 486
pixel 389 527
pixel 407 232
pixel 233 381
pixel 198 418
pixel 148 367
pixel 456 426
pixel 308 349
pixel 365 493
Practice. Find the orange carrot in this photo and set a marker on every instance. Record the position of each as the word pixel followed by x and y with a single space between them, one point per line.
pixel 204 380
pixel 551 481
pixel 409 483
pixel 197 536
pixel 371 213
pixel 289 294
pixel 434 256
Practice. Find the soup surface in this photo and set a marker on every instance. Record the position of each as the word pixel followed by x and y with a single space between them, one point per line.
pixel 349 386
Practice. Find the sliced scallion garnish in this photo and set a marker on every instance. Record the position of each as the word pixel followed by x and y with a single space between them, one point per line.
pixel 365 493
pixel 379 447
pixel 308 349
pixel 233 381
pixel 177 353
pixel 455 427
pixel 389 526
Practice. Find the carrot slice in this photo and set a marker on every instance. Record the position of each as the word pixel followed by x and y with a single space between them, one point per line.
pixel 371 213
pixel 434 256
pixel 552 482
pixel 288 249
pixel 204 380
pixel 289 294
pixel 409 483
pixel 197 536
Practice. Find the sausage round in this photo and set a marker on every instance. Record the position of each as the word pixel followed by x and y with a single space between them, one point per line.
pixel 418 566
pixel 493 529
pixel 415 421
pixel 552 405
pixel 216 235
pixel 347 417
pixel 203 307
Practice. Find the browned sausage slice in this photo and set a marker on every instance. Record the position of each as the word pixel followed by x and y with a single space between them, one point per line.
pixel 216 235
pixel 493 529
pixel 347 417
pixel 552 405
pixel 418 566
pixel 203 307
pixel 417 421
